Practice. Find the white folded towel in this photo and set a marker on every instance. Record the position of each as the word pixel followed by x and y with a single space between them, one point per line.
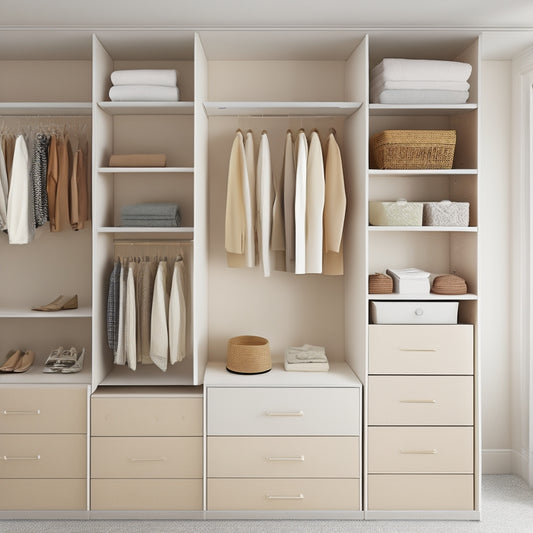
pixel 419 96
pixel 143 93
pixel 409 273
pixel 163 77
pixel 422 69
pixel 379 83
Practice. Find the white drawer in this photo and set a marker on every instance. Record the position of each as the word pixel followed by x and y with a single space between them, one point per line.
pixel 421 450
pixel 420 401
pixel 421 349
pixel 410 312
pixel 146 457
pixel 282 411
pixel 283 494
pixel 327 457
pixel 424 492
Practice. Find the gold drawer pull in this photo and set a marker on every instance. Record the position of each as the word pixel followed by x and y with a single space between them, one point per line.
pixel 284 413
pixel 419 452
pixel 147 460
pixel 298 497
pixel 297 458
pixel 418 349
pixel 36 458
pixel 418 401
pixel 36 412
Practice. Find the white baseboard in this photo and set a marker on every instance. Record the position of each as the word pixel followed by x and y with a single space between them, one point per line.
pixel 497 461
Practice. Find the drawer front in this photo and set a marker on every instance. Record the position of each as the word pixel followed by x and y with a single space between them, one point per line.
pixel 283 494
pixel 420 401
pixel 421 450
pixel 43 410
pixel 146 457
pixel 283 411
pixel 43 494
pixel 43 456
pixel 151 417
pixel 146 494
pixel 327 457
pixel 421 349
pixel 424 492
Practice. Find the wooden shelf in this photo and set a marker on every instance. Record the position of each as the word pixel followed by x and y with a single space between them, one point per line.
pixel 45 108
pixel 423 173
pixel 147 108
pixel 119 229
pixel 458 229
pixel 283 109
pixel 81 312
pixel 416 297
pixel 383 110
pixel 146 170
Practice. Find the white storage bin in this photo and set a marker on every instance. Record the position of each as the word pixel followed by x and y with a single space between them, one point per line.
pixel 414 312
pixel 446 213
pixel 399 213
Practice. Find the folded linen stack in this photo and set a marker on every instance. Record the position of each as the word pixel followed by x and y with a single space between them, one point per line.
pixel 144 85
pixel 306 358
pixel 419 81
pixel 410 280
pixel 159 215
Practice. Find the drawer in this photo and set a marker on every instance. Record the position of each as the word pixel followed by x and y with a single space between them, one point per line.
pixel 333 457
pixel 283 494
pixel 421 349
pixel 283 411
pixel 43 456
pixel 43 410
pixel 151 417
pixel 43 494
pixel 424 492
pixel 421 450
pixel 146 494
pixel 146 457
pixel 420 401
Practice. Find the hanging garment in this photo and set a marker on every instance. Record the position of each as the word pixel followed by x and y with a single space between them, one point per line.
pixel 62 219
pixel 51 180
pixel 177 314
pixel 130 319
pixel 300 199
pixel 145 289
pixel 78 192
pixel 315 192
pixel 113 307
pixel 277 241
pixel 289 183
pixel 19 207
pixel 120 353
pixel 334 210
pixel 39 169
pixel 4 189
pixel 8 148
pixel 249 153
pixel 159 321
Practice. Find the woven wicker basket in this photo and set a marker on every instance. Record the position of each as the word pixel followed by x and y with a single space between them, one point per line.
pixel 379 284
pixel 413 149
pixel 248 354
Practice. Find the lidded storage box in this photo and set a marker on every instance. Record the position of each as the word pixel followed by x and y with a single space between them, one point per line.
pixel 446 213
pixel 399 213
pixel 413 149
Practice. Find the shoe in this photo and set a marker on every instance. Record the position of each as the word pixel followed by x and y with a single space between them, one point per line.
pixel 59 304
pixel 11 361
pixel 77 366
pixel 25 362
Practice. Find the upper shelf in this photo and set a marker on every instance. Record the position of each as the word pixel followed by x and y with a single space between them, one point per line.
pixel 460 229
pixel 422 172
pixel 283 109
pixel 45 108
pixel 378 110
pixel 145 170
pixel 147 108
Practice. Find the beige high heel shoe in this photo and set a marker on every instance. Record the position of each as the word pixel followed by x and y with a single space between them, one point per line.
pixel 11 361
pixel 25 362
pixel 60 303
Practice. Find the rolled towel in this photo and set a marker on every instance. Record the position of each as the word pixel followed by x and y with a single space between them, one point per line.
pixel 422 69
pixel 143 93
pixel 415 96
pixel 138 160
pixel 164 77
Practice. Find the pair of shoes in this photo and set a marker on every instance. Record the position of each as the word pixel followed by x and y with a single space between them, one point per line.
pixel 18 361
pixel 65 361
pixel 60 303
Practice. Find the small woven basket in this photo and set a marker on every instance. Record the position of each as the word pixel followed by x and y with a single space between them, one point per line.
pixel 248 354
pixel 379 284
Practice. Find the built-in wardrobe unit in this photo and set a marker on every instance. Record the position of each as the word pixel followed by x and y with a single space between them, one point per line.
pixel 391 430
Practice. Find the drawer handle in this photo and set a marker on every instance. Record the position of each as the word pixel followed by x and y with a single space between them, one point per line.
pixel 36 458
pixel 36 412
pixel 419 452
pixel 297 497
pixel 297 458
pixel 418 401
pixel 147 460
pixel 284 413
pixel 418 349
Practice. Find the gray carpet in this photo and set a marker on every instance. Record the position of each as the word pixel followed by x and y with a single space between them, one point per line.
pixel 507 507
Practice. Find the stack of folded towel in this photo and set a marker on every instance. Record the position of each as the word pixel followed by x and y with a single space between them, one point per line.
pixel 410 280
pixel 306 358
pixel 419 81
pixel 145 85
pixel 159 215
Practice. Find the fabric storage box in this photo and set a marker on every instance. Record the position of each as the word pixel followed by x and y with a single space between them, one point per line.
pixel 446 213
pixel 413 149
pixel 399 213
pixel 414 312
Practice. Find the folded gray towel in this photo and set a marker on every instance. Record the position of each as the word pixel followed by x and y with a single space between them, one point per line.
pixel 150 209
pixel 150 223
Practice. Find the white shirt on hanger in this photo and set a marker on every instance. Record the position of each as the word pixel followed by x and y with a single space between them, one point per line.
pixel 300 195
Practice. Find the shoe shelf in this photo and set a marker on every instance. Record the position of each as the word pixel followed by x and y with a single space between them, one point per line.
pixel 81 312
pixel 36 376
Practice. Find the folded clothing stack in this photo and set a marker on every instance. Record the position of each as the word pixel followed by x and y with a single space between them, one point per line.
pixel 306 358
pixel 161 215
pixel 138 160
pixel 410 280
pixel 144 85
pixel 419 81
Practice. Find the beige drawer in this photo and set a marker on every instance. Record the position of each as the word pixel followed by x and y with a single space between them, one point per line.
pixel 43 494
pixel 146 457
pixel 151 417
pixel 421 349
pixel 333 457
pixel 43 410
pixel 421 450
pixel 420 401
pixel 283 494
pixel 146 494
pixel 43 456
pixel 424 492
pixel 283 411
